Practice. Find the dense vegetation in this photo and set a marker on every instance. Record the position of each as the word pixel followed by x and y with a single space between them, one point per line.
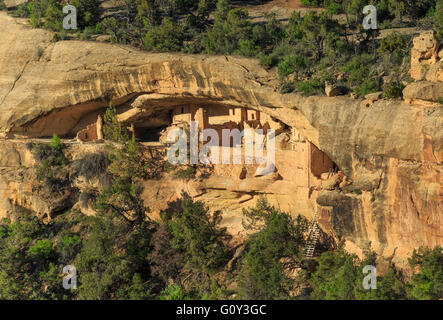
pixel 183 257
pixel 308 51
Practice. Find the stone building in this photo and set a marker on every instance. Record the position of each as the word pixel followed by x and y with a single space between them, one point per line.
pixel 218 118
pixel 92 132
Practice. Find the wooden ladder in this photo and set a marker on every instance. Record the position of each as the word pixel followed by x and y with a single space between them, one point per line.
pixel 313 237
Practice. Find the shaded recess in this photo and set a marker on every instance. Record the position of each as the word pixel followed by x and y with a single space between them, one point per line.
pixel 150 116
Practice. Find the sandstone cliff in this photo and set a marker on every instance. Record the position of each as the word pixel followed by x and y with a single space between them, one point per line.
pixel 391 151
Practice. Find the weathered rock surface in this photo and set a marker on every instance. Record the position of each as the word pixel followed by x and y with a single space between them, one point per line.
pixel 392 151
pixel 425 52
pixel 427 69
pixel 424 90
pixel 13 3
pixel 435 73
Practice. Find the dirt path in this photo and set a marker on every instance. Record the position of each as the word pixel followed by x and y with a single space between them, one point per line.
pixel 282 9
pixel 292 4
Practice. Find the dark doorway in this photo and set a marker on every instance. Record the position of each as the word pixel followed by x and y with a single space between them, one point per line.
pixel 144 134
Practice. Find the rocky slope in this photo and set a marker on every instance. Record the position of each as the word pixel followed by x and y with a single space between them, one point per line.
pixel 390 150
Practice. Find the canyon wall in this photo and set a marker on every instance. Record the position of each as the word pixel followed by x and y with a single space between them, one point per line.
pixel 390 151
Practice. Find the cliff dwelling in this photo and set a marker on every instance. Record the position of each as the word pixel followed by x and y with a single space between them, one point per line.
pixel 150 128
pixel 310 165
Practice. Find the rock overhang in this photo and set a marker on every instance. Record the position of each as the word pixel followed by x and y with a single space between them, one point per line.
pixel 73 78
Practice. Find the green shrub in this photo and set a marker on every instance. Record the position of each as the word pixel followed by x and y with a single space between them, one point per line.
pixel 428 282
pixel 197 235
pixel 168 167
pixel 2 5
pixel 290 64
pixel 367 86
pixel 357 70
pixel 148 12
pixel 277 236
pixel 106 267
pixel 185 174
pixel 44 171
pixel 314 35
pixel 334 277
pixel 418 8
pixel 128 165
pixel 246 48
pixel 230 29
pixel 136 289
pixel 50 158
pixel 88 12
pixel 395 45
pixel 285 87
pixel 392 43
pixel 168 36
pixel 393 90
pixel 22 11
pixel 46 13
pixel 88 32
pixel 113 129
pixel 111 27
pixel 268 61
pixel 25 264
pixel 339 276
pixel 69 246
pixel 174 292
pixel 43 249
pixel 268 35
pixel 438 19
pixel 390 286
pixel 333 7
pixel 113 260
pixel 312 2
pixel 54 17
pixel 310 87
pixel 56 142
pixel 4 228
pixel 36 13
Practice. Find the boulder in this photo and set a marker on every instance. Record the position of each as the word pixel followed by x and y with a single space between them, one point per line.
pixel 334 90
pixel 374 96
pixel 435 72
pixel 103 38
pixel 13 3
pixel 424 53
pixel 331 183
pixel 424 90
pixel 371 98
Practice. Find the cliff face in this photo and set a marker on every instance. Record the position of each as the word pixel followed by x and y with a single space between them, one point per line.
pixel 391 151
